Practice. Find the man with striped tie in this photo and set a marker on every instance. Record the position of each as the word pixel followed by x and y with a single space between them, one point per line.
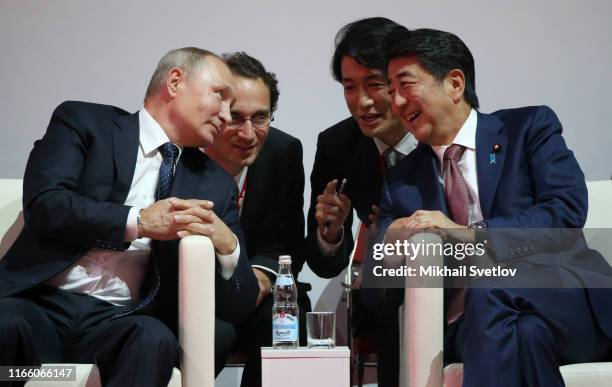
pixel 92 278
pixel 508 181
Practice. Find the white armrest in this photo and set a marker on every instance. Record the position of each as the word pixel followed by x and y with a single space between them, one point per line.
pixel 422 328
pixel 197 311
pixel 11 218
pixel 598 227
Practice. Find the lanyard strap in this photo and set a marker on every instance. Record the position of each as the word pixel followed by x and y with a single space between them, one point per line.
pixel 240 199
pixel 383 164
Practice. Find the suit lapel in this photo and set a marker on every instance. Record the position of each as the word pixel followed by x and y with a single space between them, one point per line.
pixel 252 195
pixel 489 164
pixel 366 178
pixel 187 174
pixel 125 151
pixel 428 183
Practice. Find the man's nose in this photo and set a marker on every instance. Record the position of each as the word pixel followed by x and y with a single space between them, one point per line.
pixel 398 99
pixel 247 130
pixel 224 114
pixel 365 101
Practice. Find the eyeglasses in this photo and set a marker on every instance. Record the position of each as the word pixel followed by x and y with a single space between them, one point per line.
pixel 260 121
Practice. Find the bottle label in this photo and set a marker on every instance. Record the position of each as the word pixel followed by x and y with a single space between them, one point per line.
pixel 283 281
pixel 284 327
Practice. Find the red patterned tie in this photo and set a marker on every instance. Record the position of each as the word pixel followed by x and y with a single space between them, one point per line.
pixel 455 188
pixel 457 201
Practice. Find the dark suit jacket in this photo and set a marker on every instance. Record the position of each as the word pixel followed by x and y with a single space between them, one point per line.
pixel 534 183
pixel 76 181
pixel 273 209
pixel 343 152
pixel 273 223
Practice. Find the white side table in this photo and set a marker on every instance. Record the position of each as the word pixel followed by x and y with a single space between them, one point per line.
pixel 305 367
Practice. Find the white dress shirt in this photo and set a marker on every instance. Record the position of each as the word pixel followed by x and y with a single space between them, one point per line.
pixel 467 164
pixel 406 145
pixel 116 276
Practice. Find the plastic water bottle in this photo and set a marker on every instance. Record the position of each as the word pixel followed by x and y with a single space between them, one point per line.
pixel 285 312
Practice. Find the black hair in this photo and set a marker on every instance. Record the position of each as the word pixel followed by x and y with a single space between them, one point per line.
pixel 362 40
pixel 438 52
pixel 243 65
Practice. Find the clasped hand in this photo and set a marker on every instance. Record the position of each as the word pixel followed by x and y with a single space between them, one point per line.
pixel 174 218
pixel 435 222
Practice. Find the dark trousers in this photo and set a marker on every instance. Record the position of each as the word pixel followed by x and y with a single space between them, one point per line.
pixel 225 340
pixel 506 337
pixel 48 325
pixel 520 337
pixel 250 336
pixel 383 306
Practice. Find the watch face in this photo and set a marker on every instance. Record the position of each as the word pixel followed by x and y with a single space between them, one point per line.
pixel 479 225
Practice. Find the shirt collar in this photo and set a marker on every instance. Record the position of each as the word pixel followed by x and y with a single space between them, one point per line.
pixel 466 136
pixel 152 135
pixel 240 176
pixel 405 146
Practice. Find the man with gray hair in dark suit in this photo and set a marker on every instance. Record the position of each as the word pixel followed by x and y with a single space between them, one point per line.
pixel 92 278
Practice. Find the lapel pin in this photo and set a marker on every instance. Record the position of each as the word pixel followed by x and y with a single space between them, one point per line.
pixel 496 149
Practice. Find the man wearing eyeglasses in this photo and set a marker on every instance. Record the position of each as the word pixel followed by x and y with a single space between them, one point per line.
pixel 266 164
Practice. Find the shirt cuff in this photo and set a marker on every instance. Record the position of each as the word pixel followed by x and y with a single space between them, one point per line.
pixel 329 249
pixel 229 262
pixel 131 226
pixel 266 269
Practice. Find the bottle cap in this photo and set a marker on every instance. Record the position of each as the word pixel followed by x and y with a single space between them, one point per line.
pixel 284 259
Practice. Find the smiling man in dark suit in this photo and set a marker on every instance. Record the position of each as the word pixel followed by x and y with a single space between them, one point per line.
pixel 360 148
pixel 107 194
pixel 266 164
pixel 475 175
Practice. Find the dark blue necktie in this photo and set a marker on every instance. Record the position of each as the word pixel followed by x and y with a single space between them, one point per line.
pixel 169 154
pixel 392 156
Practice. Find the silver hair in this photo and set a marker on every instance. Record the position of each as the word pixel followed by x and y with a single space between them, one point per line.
pixel 187 59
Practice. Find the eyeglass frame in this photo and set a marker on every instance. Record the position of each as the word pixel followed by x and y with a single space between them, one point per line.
pixel 244 121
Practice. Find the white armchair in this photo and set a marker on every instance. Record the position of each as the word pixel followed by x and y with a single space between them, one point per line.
pixel 422 318
pixel 196 300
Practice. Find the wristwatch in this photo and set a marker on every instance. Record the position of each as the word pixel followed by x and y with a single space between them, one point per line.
pixel 480 231
pixel 138 223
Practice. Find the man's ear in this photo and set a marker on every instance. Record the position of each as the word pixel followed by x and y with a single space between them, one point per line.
pixel 174 80
pixel 455 81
